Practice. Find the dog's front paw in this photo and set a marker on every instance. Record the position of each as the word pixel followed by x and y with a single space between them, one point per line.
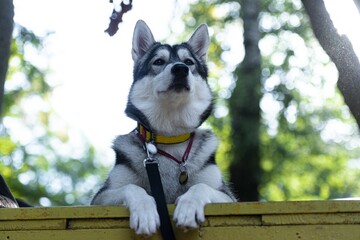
pixel 144 218
pixel 189 211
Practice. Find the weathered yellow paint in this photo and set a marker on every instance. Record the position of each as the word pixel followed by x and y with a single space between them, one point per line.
pixel 32 224
pixel 97 223
pixel 226 220
pixel 63 212
pixel 291 232
pixel 270 220
pixel 309 219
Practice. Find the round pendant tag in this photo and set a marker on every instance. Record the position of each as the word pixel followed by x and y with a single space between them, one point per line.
pixel 183 177
pixel 151 148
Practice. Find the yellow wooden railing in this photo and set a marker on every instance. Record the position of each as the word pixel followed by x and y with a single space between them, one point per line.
pixel 271 220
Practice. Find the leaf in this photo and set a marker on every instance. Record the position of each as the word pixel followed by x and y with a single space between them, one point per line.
pixel 7 146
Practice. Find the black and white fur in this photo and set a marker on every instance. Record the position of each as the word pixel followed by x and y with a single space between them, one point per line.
pixel 170 96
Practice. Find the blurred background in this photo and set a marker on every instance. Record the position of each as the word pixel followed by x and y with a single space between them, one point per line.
pixel 286 116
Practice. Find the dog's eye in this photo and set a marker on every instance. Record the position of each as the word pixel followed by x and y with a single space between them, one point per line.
pixel 189 62
pixel 159 62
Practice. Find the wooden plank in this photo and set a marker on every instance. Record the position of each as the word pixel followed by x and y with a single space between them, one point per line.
pixel 32 224
pixel 220 209
pixel 107 234
pixel 294 232
pixel 311 219
pixel 98 223
pixel 63 212
pixel 255 208
pixel 269 220
pixel 115 224
pixel 225 221
pixel 89 234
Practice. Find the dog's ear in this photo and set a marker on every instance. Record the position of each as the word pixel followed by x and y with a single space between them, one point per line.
pixel 142 40
pixel 199 41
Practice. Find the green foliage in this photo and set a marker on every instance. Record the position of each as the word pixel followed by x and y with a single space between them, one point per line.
pixel 299 162
pixel 43 161
pixel 309 142
pixel 6 145
pixel 304 152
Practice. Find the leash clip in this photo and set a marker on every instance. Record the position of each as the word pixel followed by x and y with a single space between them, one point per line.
pixel 150 160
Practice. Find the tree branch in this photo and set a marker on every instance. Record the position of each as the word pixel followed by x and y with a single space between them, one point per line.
pixel 340 52
pixel 116 17
pixel 357 4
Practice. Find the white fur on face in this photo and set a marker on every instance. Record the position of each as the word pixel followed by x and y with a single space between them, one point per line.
pixel 170 112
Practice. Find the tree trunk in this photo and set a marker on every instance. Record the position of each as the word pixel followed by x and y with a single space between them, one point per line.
pixel 340 52
pixel 245 111
pixel 357 4
pixel 6 28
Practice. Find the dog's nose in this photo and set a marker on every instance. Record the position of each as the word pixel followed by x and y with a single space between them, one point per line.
pixel 180 70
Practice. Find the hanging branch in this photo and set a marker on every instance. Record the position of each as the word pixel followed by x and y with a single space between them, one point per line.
pixel 116 17
pixel 340 51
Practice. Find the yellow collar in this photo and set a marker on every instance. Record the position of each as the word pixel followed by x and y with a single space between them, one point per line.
pixel 160 139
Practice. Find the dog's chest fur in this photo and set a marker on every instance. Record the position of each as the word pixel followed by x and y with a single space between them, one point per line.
pixel 130 155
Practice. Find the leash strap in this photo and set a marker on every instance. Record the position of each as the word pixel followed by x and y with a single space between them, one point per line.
pixel 152 169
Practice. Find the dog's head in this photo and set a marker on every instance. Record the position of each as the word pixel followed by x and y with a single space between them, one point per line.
pixel 170 94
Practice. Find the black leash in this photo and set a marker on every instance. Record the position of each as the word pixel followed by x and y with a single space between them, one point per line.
pixel 152 169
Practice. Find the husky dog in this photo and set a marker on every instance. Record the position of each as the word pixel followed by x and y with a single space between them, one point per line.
pixel 169 98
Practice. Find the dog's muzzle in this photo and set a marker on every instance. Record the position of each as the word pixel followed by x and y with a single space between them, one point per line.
pixel 180 81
